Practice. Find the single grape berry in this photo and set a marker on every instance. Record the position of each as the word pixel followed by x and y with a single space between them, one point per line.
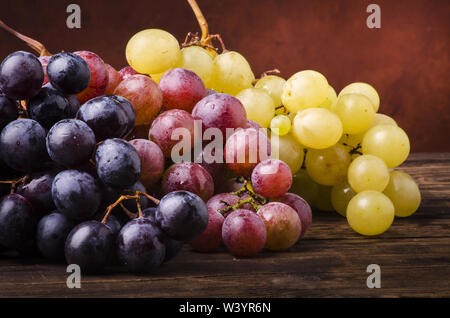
pixel 118 163
pixel 99 76
pixel 300 206
pixel 211 238
pixel 91 246
pixel 70 142
pixel 271 178
pixel 22 144
pixel 68 72
pixel 139 246
pixel 21 75
pixel 182 215
pixel 76 194
pixel 106 117
pixel 52 231
pixel 243 233
pixel 129 111
pixel 17 222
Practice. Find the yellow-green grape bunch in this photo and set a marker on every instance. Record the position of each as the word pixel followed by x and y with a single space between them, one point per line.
pixel 231 73
pixel 303 90
pixel 341 194
pixel 198 60
pixel 328 166
pixel 355 111
pixel 370 213
pixel 368 172
pixel 273 85
pixel 280 125
pixel 387 142
pixel 258 105
pixel 287 149
pixel 364 89
pixel 317 128
pixel 331 98
pixel 152 51
pixel 404 193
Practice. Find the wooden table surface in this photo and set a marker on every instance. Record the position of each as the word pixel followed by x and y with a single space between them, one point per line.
pixel 414 257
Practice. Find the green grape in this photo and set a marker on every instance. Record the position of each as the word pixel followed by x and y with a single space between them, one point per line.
pixel 324 201
pixel 305 187
pixel 404 193
pixel 341 194
pixel 303 90
pixel 280 125
pixel 368 172
pixel 388 142
pixel 370 213
pixel 258 105
pixel 152 51
pixel 157 77
pixel 198 60
pixel 382 119
pixel 287 149
pixel 231 73
pixel 273 85
pixel 355 111
pixel 364 89
pixel 331 98
pixel 328 166
pixel 317 128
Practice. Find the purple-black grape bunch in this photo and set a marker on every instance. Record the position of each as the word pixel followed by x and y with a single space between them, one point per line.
pixel 69 163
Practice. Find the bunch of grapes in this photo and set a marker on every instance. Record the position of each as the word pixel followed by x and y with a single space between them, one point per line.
pixel 237 161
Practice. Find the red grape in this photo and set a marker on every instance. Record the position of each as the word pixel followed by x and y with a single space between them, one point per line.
pixel 271 178
pixel 245 149
pixel 99 76
pixel 113 79
pixel 44 61
pixel 283 225
pixel 190 177
pixel 126 72
pixel 211 238
pixel 164 126
pixel 301 206
pixel 181 89
pixel 243 233
pixel 220 111
pixel 152 161
pixel 145 96
pixel 221 201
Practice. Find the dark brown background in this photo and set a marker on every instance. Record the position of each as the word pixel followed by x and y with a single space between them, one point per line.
pixel 407 60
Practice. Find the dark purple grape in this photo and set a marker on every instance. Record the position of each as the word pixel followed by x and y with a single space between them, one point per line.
pixel 106 117
pixel 243 233
pixel 190 177
pixel 118 163
pixel 220 111
pixel 211 238
pixel 38 191
pixel 48 107
pixel 21 75
pixel 52 231
pixel 91 246
pixel 68 72
pixel 129 111
pixel 140 247
pixel 76 194
pixel 113 223
pixel 17 222
pixel 22 144
pixel 70 142
pixel 181 89
pixel 149 213
pixel 8 111
pixel 182 215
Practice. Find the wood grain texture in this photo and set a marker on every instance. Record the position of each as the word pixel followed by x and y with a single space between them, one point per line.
pixel 331 261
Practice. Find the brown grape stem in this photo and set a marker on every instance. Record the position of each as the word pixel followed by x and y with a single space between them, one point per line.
pixel 239 204
pixel 35 45
pixel 16 182
pixel 201 21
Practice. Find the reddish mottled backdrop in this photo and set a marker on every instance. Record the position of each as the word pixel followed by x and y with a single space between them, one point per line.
pixel 407 60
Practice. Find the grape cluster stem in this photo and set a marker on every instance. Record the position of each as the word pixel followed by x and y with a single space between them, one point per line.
pixel 16 182
pixel 254 199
